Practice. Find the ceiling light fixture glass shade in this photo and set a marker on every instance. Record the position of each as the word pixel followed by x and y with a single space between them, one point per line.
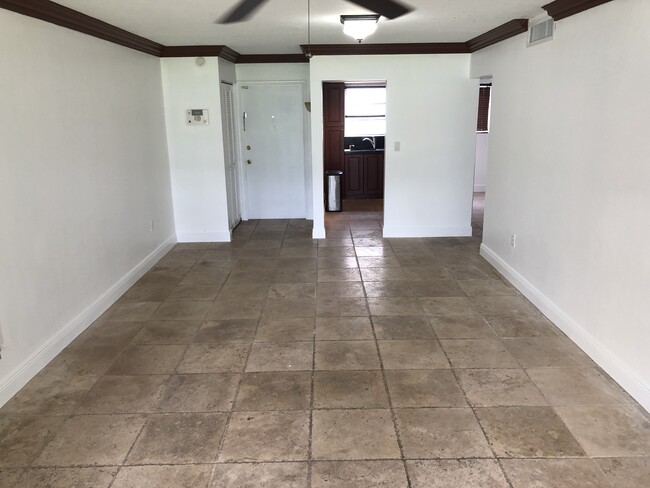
pixel 359 26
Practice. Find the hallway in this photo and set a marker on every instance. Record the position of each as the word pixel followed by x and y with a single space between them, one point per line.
pixel 355 361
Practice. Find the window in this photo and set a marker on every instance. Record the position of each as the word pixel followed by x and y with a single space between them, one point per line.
pixel 483 123
pixel 365 111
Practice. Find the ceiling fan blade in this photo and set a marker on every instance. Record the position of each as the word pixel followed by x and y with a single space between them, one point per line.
pixel 241 11
pixel 388 8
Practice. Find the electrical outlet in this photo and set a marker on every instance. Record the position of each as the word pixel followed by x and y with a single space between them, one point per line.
pixel 151 225
pixel 513 240
pixel 398 146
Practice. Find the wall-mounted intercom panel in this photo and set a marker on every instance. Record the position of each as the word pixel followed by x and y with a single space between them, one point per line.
pixel 197 116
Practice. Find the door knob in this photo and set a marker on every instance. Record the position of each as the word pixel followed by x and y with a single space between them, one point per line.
pixel 249 161
pixel 248 147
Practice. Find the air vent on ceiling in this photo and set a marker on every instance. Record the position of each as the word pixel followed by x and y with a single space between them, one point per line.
pixel 541 32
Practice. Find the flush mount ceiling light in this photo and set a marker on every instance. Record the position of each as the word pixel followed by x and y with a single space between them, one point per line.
pixel 359 26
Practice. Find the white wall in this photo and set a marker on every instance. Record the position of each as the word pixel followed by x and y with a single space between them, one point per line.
pixel 480 169
pixel 569 175
pixel 276 72
pixel 431 111
pixel 83 170
pixel 196 153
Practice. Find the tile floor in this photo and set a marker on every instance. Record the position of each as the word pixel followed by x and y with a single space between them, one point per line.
pixel 278 361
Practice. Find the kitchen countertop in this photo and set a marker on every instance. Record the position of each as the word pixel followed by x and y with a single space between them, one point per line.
pixel 361 151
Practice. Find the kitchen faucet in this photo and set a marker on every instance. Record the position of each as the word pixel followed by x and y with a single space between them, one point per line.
pixel 372 141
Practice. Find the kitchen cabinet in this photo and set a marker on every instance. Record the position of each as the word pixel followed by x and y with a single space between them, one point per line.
pixel 363 174
pixel 333 125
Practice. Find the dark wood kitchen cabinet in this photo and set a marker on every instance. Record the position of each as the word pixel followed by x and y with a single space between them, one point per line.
pixel 363 175
pixel 333 125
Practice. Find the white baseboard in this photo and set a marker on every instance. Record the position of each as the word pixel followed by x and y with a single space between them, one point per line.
pixel 223 236
pixel 453 231
pixel 632 383
pixel 479 188
pixel 20 376
pixel 318 233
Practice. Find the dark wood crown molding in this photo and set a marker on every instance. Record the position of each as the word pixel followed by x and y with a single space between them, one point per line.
pixel 561 9
pixel 406 48
pixel 272 58
pixel 71 19
pixel 191 51
pixel 498 34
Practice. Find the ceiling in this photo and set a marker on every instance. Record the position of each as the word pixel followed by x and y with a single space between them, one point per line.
pixel 280 26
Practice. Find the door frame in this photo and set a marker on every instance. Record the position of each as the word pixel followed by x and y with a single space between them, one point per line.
pixel 235 150
pixel 243 174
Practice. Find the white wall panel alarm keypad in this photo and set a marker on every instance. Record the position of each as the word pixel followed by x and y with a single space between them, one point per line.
pixel 197 116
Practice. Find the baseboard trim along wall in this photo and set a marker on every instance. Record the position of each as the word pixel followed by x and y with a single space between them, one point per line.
pixel 454 231
pixel 204 237
pixel 632 383
pixel 479 188
pixel 12 383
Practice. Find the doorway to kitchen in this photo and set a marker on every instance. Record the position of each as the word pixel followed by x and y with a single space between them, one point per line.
pixel 480 168
pixel 354 125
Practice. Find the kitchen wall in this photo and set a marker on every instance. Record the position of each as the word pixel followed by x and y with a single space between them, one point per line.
pixel 568 174
pixel 85 198
pixel 278 72
pixel 431 112
pixel 196 153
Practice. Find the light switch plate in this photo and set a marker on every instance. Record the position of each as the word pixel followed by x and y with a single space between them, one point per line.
pixel 398 146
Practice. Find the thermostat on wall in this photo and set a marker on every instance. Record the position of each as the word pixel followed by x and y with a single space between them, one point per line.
pixel 197 116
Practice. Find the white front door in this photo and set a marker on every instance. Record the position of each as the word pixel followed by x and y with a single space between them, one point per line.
pixel 229 141
pixel 273 151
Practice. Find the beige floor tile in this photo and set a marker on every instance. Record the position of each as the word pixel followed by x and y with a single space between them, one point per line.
pixel 437 288
pixel 86 360
pixel 461 327
pixel 148 293
pixel 289 308
pixel 167 332
pixel 22 437
pixel 403 328
pixel 92 440
pixel 368 251
pixel 148 359
pixel 194 292
pixel 291 356
pixel 429 388
pixel 50 394
pixel 341 307
pixel 227 330
pixel 329 275
pixel 338 263
pixel 285 330
pixel 383 274
pixel 469 272
pixel 290 390
pixel 394 306
pixel 249 475
pixel 412 355
pixel 358 474
pixel 486 288
pixel 192 476
pixel 335 251
pixel 236 308
pixel 255 291
pixel 554 473
pixel 206 277
pixel 179 438
pixel 349 389
pixel 547 352
pixel 626 472
pixel 478 353
pixel 109 333
pixel 609 431
pixel 199 393
pixel 133 311
pixel 441 433
pixel 528 432
pixel 577 386
pixel 266 436
pixel 343 329
pixel 66 478
pixel 182 310
pixel 447 306
pixel 504 305
pixel 378 262
pixel 292 290
pixel 124 394
pixel 353 434
pixel 349 289
pixel 214 358
pixel 456 473
pixel 426 273
pixel 499 387
pixel 346 355
pixel 521 326
pixel 381 289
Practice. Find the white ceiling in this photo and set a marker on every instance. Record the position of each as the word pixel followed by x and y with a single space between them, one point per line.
pixel 280 26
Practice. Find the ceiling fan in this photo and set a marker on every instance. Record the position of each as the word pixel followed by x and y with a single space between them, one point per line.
pixel 245 8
